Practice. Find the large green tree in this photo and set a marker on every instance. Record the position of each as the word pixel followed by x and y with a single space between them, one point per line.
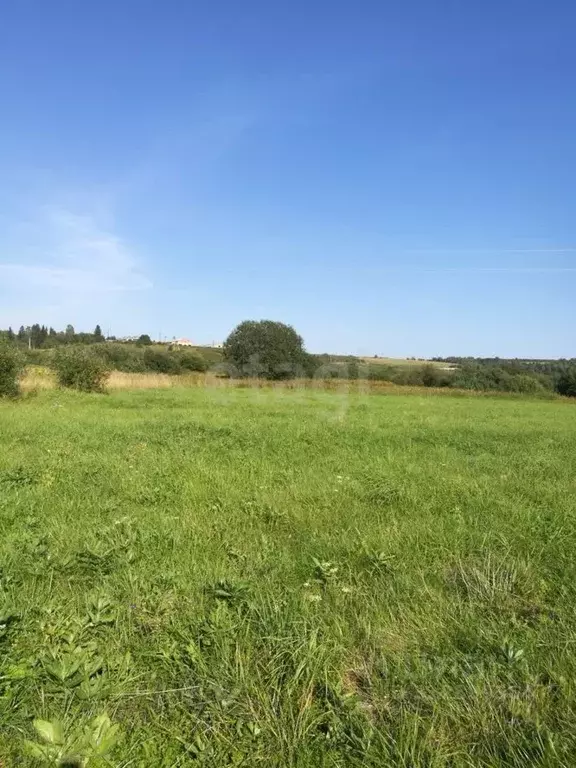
pixel 266 349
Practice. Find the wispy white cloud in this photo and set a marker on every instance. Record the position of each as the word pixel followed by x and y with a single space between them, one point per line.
pixel 80 256
pixel 63 265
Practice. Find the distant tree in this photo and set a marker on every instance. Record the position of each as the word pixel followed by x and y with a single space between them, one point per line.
pixel 36 336
pixel 10 335
pixel 70 332
pixel 266 349
pixel 22 333
pixel 52 332
pixel 98 335
pixel 144 340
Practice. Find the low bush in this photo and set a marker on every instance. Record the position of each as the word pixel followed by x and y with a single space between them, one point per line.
pixel 484 377
pixel 122 357
pixel 380 372
pixel 528 385
pixel 191 361
pixel 11 366
pixel 161 361
pixel 79 368
pixel 434 377
pixel 134 358
pixel 566 383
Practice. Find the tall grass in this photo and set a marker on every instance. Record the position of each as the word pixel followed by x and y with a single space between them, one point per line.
pixel 39 378
pixel 287 578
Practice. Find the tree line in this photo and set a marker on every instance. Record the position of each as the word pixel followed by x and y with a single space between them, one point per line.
pixel 42 337
pixel 272 350
pixel 502 373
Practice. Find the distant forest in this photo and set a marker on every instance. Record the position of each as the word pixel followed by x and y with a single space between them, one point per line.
pixel 513 364
pixel 41 337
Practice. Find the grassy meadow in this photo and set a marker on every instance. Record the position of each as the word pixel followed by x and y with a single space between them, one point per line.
pixel 401 362
pixel 241 577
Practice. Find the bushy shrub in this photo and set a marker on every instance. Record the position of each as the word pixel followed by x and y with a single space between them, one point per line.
pixel 161 361
pixel 526 384
pixel 432 376
pixel 479 377
pixel 416 376
pixel 566 383
pixel 132 358
pixel 381 372
pixel 121 357
pixel 485 377
pixel 191 361
pixel 79 368
pixel 11 366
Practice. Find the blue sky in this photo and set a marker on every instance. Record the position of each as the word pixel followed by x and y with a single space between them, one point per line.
pixel 390 178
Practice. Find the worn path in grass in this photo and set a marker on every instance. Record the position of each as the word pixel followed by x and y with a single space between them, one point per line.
pixel 290 578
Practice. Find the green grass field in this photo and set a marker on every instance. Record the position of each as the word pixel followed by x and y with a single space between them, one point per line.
pixel 264 578
pixel 402 362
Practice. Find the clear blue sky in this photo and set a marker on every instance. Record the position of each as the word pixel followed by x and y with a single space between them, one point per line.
pixel 391 178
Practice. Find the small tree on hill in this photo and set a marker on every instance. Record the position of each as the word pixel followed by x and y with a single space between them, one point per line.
pixel 266 349
pixel 98 335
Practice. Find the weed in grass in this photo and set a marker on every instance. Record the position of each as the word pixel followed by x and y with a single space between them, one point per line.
pixel 229 592
pixel 18 477
pixel 79 747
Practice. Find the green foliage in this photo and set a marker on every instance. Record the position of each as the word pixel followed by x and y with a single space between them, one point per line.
pixel 132 358
pixel 122 357
pixel 266 349
pixel 80 747
pixel 38 336
pixel 144 340
pixel 159 360
pixel 191 361
pixel 11 363
pixel 431 376
pixel 79 368
pixel 381 372
pixel 490 377
pixel 566 383
pixel 527 384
